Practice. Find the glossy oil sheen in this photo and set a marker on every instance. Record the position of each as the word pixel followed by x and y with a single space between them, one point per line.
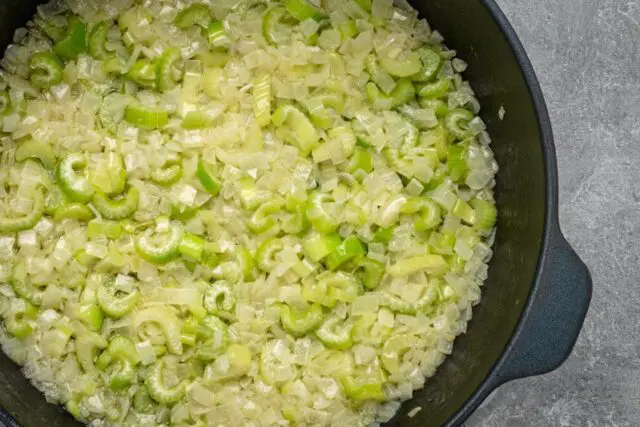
pixel 496 75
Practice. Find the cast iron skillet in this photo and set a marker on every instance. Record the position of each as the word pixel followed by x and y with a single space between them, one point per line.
pixel 538 290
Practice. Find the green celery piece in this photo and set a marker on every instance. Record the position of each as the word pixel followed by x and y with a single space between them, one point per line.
pixel 369 271
pixel 457 123
pixel 113 304
pixel 165 80
pixel 97 39
pixel 486 214
pixel 46 69
pixel 75 186
pixel 35 149
pixel 432 63
pixel 75 211
pixel 10 224
pixel 196 14
pixel 302 9
pixel 435 90
pixel 334 334
pixel 301 322
pixel 206 174
pixel 350 248
pixel 317 246
pixel 145 117
pixel 164 252
pixel 432 264
pixel 117 209
pixel 406 66
pixel 75 41
pixel 157 390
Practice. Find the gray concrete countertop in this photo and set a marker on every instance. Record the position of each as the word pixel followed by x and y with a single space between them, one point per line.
pixel 587 58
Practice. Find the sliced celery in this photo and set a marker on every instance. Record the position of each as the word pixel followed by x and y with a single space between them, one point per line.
pixel 89 314
pixel 364 388
pixel 157 389
pixel 117 209
pixel 36 149
pixel 217 35
pixel 197 120
pixel 302 9
pixel 206 174
pixel 5 103
pixel 112 108
pixel 266 252
pixel 379 76
pixel 360 160
pixel 168 175
pixel 457 123
pixel 75 211
pixel 350 248
pixel 432 264
pixel 364 4
pixel 405 66
pixel 219 298
pixel 486 214
pixel 334 333
pixel 122 353
pixel 429 213
pixel 46 69
pixel 464 211
pixel 161 252
pixel 393 349
pixel 145 117
pixel 402 93
pixel 106 228
pixel 301 322
pixel 435 90
pixel 262 219
pixel 457 162
pixel 383 235
pixel 369 271
pixel 113 303
pixel 165 69
pixel 196 14
pixel 317 213
pixel 348 29
pixel 317 246
pixel 431 62
pixel 76 187
pixel 216 338
pixel 142 401
pixel 272 30
pixel 262 100
pixel 305 134
pixel 168 322
pixel 144 73
pixel 75 41
pixel 439 107
pixel 10 224
pixel 96 41
pixel 87 346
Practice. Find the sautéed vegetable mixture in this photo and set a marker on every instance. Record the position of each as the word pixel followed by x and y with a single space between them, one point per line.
pixel 237 212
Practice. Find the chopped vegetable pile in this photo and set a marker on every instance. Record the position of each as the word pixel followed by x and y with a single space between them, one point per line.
pixel 237 212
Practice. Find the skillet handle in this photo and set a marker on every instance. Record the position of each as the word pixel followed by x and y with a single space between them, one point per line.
pixel 552 325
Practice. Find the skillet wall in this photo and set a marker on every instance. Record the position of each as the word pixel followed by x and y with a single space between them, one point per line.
pixel 498 81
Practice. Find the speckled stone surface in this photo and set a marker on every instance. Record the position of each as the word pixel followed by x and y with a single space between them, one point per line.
pixel 587 57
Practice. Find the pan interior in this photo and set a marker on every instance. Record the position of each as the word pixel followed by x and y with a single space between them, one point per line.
pixel 499 82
